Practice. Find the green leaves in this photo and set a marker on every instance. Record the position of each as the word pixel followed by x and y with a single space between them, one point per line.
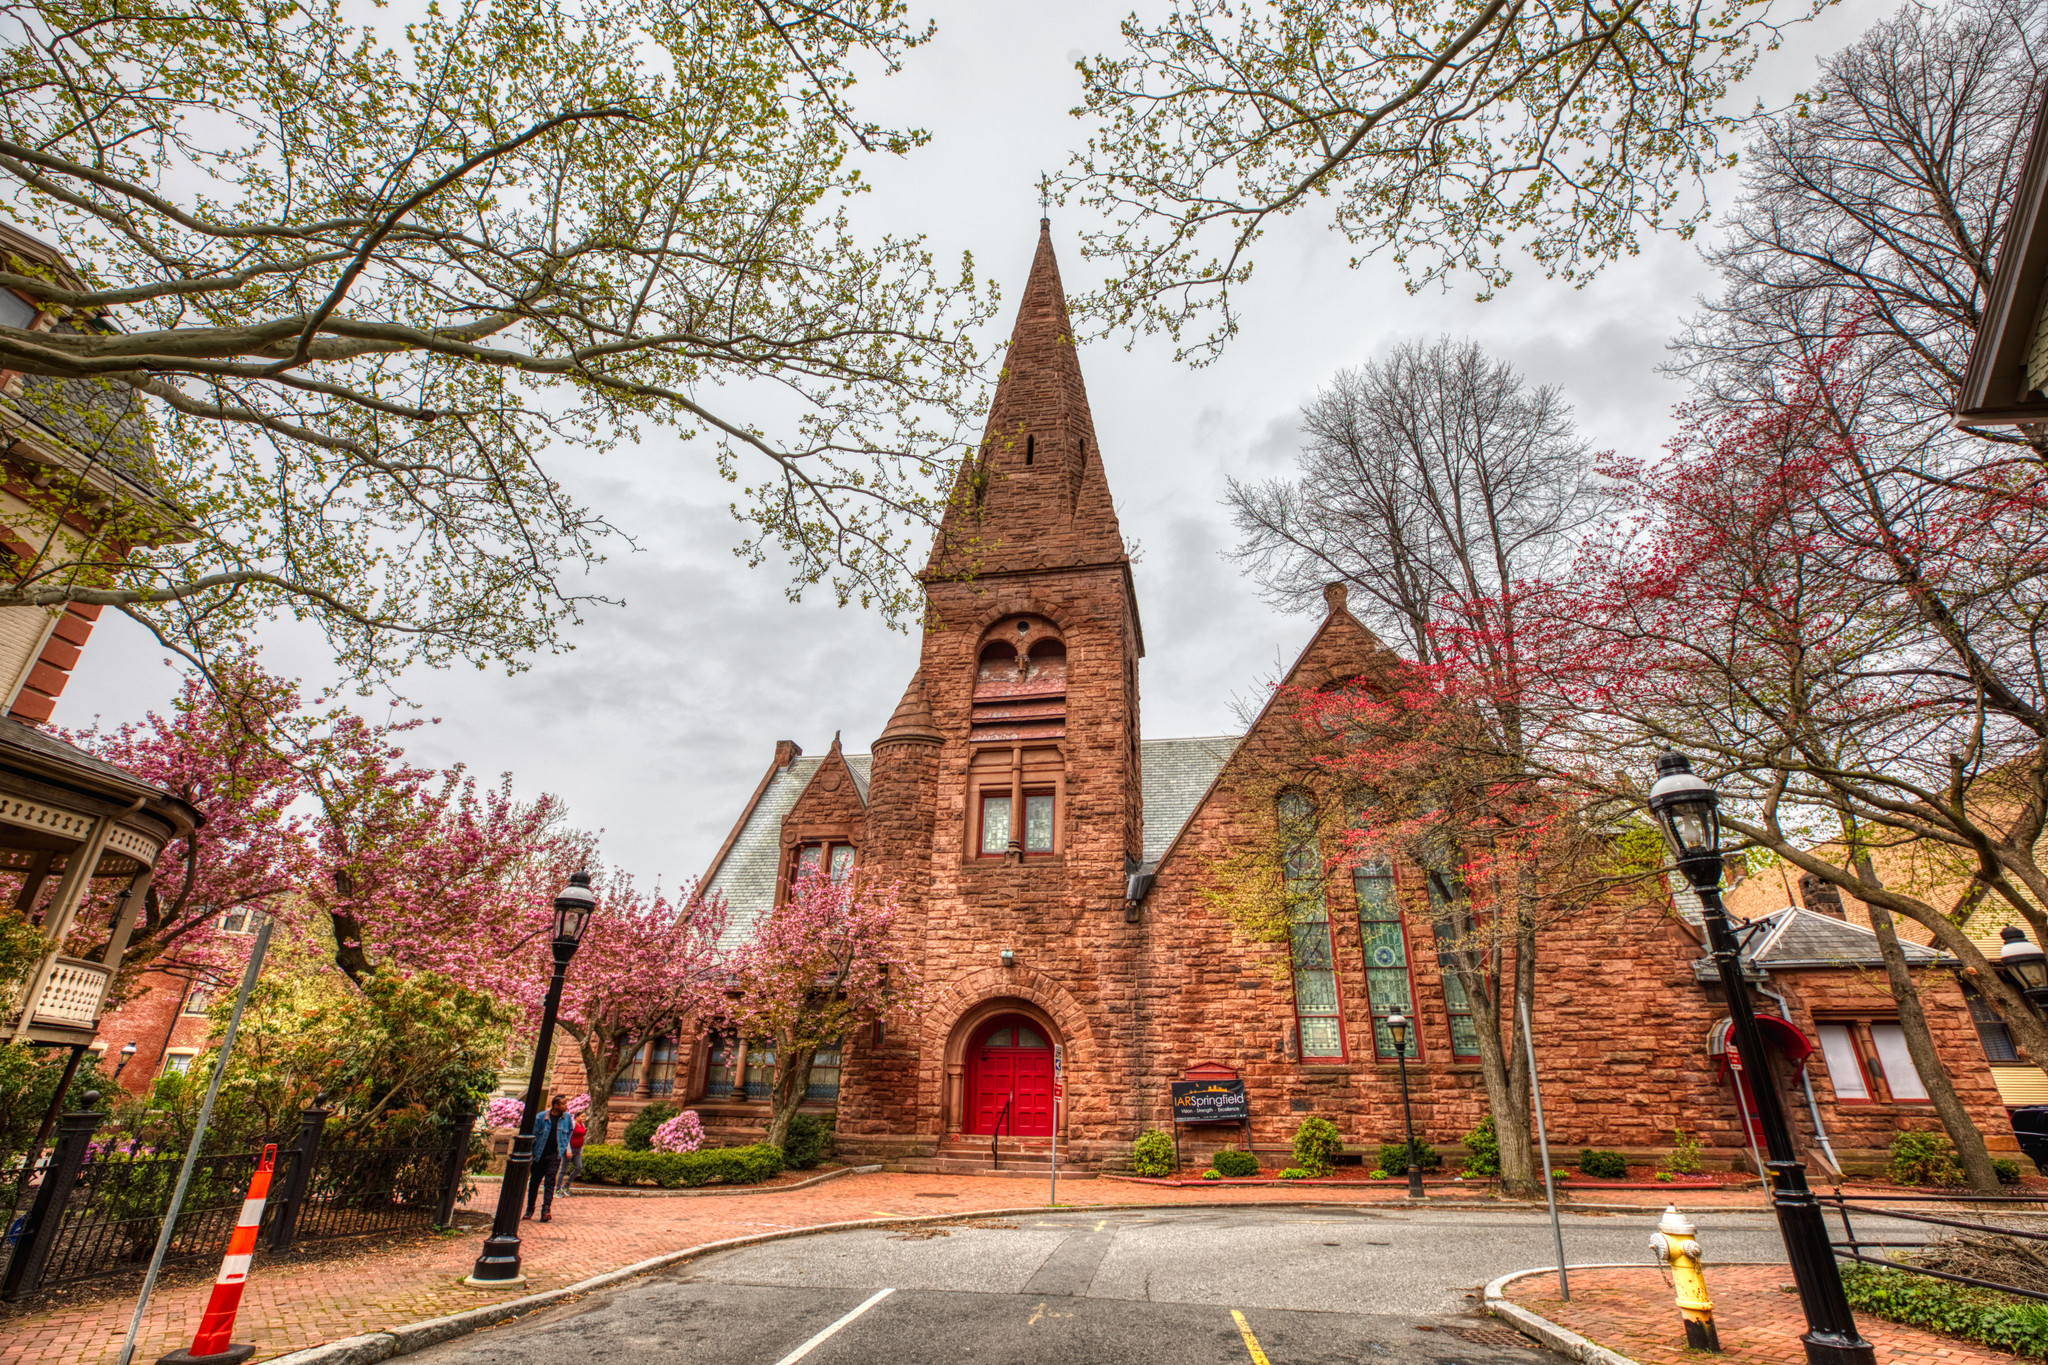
pixel 383 286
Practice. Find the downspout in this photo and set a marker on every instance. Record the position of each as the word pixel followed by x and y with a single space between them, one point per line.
pixel 1806 1083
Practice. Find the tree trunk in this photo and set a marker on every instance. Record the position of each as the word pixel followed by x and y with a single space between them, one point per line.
pixel 792 1079
pixel 1969 1143
pixel 1504 1074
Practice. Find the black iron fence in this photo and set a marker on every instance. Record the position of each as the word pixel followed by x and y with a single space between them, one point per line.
pixel 95 1210
pixel 2021 1225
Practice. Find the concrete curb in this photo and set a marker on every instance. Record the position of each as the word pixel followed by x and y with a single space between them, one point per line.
pixel 1565 1342
pixel 635 1192
pixel 372 1347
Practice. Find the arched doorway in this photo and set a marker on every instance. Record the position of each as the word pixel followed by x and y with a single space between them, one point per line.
pixel 1009 1078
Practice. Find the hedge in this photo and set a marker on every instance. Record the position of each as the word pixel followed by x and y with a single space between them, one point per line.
pixel 1997 1320
pixel 706 1166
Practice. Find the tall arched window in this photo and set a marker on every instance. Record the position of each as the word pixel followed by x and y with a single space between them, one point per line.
pixel 1308 914
pixel 1017 777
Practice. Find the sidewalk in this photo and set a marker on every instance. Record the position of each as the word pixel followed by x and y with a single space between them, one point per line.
pixel 289 1306
pixel 1630 1311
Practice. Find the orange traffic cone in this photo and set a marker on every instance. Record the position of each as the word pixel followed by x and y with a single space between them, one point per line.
pixel 210 1345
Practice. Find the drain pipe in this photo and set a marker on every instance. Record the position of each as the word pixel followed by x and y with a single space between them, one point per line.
pixel 1806 1083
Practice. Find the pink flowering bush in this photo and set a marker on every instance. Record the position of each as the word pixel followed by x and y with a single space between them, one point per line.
pixel 683 1133
pixel 503 1111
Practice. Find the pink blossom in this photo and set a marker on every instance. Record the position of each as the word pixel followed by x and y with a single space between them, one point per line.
pixel 683 1133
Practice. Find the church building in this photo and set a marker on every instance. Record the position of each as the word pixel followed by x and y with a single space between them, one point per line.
pixel 1057 871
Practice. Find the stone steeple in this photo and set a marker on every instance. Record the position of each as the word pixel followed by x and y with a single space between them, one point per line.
pixel 1033 496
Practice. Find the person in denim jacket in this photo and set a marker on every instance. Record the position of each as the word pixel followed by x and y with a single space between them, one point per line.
pixel 552 1132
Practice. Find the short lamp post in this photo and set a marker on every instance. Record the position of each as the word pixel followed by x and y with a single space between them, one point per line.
pixel 1688 810
pixel 498 1266
pixel 1397 1025
pixel 127 1056
pixel 2024 966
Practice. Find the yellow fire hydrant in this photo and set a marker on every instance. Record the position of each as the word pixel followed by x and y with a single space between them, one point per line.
pixel 1674 1244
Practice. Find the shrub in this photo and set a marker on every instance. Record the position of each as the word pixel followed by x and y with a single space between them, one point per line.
pixel 1685 1154
pixel 1998 1320
pixel 1212 1175
pixel 1394 1157
pixel 640 1132
pixel 1924 1159
pixel 1316 1144
pixel 683 1133
pixel 1603 1165
pixel 1666 1176
pixel 2008 1170
pixel 1294 1173
pixel 1235 1163
pixel 672 1170
pixel 1152 1153
pixel 1484 1145
pixel 808 1142
pixel 1375 1174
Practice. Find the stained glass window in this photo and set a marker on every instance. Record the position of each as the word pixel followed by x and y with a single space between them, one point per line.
pixel 1038 822
pixel 1315 974
pixel 824 1074
pixel 718 1076
pixel 760 1068
pixel 995 824
pixel 842 861
pixel 1386 953
pixel 1452 922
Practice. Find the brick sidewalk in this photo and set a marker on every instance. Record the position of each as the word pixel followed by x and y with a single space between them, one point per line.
pixel 290 1306
pixel 1631 1311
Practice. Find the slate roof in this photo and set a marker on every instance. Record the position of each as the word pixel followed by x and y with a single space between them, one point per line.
pixel 1795 938
pixel 1175 774
pixel 748 875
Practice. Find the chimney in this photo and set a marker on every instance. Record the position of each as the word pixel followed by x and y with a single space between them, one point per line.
pixel 1336 594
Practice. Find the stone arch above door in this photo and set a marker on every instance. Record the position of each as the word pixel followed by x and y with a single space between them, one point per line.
pixel 959 1010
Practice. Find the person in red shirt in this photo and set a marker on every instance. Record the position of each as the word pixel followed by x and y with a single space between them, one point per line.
pixel 573 1167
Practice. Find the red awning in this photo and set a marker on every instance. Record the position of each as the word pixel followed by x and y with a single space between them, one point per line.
pixel 1794 1046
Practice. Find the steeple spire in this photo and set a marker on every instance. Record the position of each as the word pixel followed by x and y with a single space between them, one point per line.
pixel 1033 496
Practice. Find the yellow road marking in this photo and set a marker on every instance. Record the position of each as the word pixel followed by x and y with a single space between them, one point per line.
pixel 1036 1314
pixel 1251 1343
pixel 1101 1223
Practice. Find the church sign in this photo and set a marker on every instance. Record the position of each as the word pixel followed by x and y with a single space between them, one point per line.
pixel 1210 1101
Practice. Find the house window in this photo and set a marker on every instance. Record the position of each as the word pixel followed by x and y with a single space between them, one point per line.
pixel 1991 1030
pixel 198 997
pixel 1452 924
pixel 1845 1066
pixel 1386 954
pixel 241 920
pixel 718 1075
pixel 1308 915
pixel 16 311
pixel 824 1074
pixel 834 859
pixel 661 1067
pixel 995 826
pixel 760 1069
pixel 1901 1078
pixel 177 1063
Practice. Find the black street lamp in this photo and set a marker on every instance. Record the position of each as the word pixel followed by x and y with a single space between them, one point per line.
pixel 498 1266
pixel 1688 811
pixel 2024 966
pixel 1397 1025
pixel 127 1056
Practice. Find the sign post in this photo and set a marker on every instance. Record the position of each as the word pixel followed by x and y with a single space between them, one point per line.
pixel 1059 1092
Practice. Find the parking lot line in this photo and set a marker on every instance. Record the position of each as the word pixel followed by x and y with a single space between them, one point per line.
pixel 1251 1343
pixel 815 1342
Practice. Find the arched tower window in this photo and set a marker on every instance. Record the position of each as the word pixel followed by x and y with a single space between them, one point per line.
pixel 1020 683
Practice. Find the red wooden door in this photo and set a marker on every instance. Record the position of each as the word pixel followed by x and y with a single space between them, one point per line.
pixel 1010 1064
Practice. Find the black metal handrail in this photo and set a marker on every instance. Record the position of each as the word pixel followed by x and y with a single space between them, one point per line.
pixel 1850 1246
pixel 995 1156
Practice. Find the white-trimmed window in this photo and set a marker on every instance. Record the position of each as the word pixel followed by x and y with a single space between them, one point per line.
pixel 178 1061
pixel 1845 1065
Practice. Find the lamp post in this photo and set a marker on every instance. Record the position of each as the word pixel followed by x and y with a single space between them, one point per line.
pixel 498 1266
pixel 2024 966
pixel 1397 1025
pixel 127 1056
pixel 1687 809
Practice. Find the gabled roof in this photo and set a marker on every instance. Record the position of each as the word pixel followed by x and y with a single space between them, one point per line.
pixel 1793 938
pixel 1997 387
pixel 747 875
pixel 1175 774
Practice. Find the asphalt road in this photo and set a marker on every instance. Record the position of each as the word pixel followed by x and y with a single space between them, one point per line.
pixel 1176 1287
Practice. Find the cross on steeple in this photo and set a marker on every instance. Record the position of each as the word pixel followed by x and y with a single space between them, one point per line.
pixel 1044 201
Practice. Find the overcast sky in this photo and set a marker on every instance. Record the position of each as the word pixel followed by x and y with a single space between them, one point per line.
pixel 658 725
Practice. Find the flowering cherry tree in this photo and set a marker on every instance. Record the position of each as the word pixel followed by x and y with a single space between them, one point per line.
pixel 210 751
pixel 647 965
pixel 818 970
